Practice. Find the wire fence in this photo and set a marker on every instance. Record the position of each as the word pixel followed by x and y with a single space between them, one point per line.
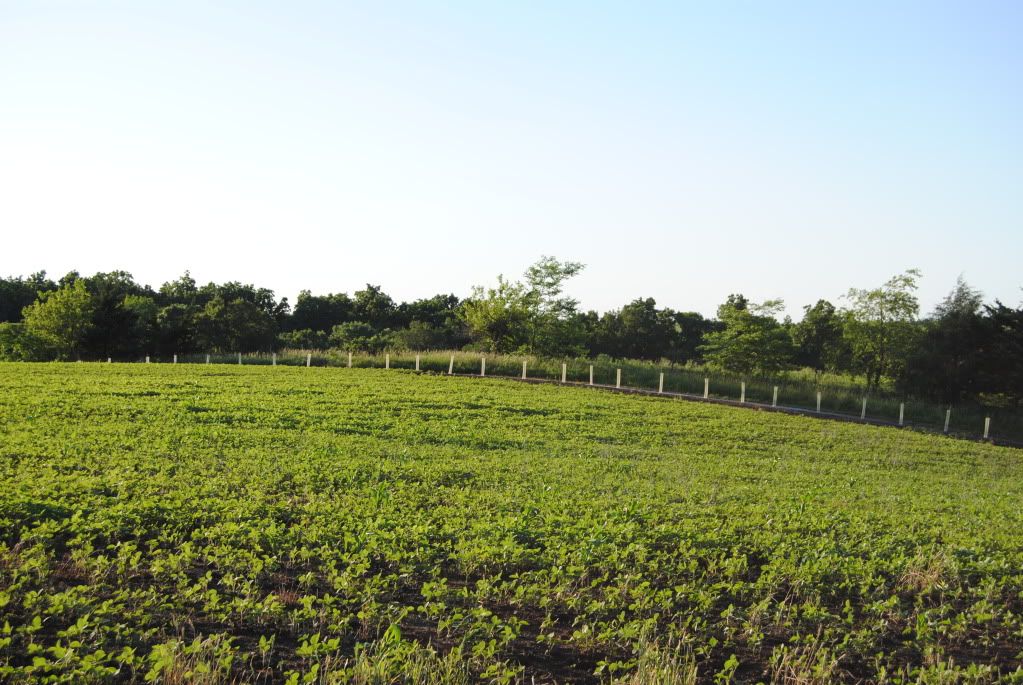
pixel 846 401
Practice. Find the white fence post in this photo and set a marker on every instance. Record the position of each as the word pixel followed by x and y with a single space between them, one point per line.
pixel 387 360
pixel 902 412
pixel 274 361
pixel 207 359
pixel 948 416
pixel 110 360
pixel 175 359
pixel 863 412
pixel 818 401
pixel 564 372
pixel 417 362
pixel 239 358
pixel 349 360
pixel 706 388
pixel 308 359
pixel 742 392
pixel 660 383
pixel 618 379
pixel 591 374
pixel 483 366
pixel 147 358
pixel 451 365
pixel 523 369
pixel 987 426
pixel 774 400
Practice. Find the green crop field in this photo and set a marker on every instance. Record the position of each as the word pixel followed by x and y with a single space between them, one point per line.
pixel 253 524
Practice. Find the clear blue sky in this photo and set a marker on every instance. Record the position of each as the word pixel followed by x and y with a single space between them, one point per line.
pixel 682 151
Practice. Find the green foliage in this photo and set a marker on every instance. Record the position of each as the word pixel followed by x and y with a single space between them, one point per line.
pixel 304 339
pixel 420 336
pixel 359 336
pixel 532 316
pixel 238 324
pixel 498 318
pixel 320 312
pixel 943 364
pixel 16 293
pixel 373 306
pixel 752 340
pixel 60 319
pixel 879 326
pixel 196 523
pixel 18 344
pixel 819 340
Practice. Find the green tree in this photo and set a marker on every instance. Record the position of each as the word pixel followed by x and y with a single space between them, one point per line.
pixel 818 338
pixel 880 326
pixel 304 339
pixel 360 336
pixel 1001 361
pixel 498 318
pixel 16 293
pixel 18 344
pixel 61 319
pixel 751 340
pixel 373 306
pixel 320 312
pixel 235 326
pixel 946 365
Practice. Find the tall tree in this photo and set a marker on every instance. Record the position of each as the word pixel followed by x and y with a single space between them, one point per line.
pixel 16 293
pixel 320 312
pixel 945 364
pixel 818 338
pixel 373 306
pixel 752 340
pixel 550 328
pixel 1000 366
pixel 61 319
pixel 880 328
pixel 498 318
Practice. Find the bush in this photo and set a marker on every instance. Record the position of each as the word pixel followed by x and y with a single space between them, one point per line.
pixel 18 344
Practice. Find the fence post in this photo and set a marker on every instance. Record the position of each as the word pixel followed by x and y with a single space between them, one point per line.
pixel 523 369
pixel 451 365
pixel 591 374
pixel 987 426
pixel 618 379
pixel 207 359
pixel 774 399
pixel 308 359
pixel 863 412
pixel 417 362
pixel 147 358
pixel 902 412
pixel 110 360
pixel 387 360
pixel 948 415
pixel 483 366
pixel 742 392
pixel 274 362
pixel 349 360
pixel 818 401
pixel 564 372
pixel 660 383
pixel 706 388
pixel 175 359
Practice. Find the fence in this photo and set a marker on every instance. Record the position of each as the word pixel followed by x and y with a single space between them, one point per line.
pixel 846 402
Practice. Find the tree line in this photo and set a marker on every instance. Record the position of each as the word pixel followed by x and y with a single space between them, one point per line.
pixel 965 350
